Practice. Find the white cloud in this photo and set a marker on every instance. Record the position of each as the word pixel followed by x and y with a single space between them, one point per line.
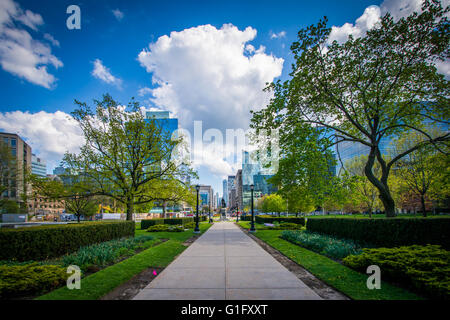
pixel 20 54
pixel 281 34
pixel 103 73
pixel 144 91
pixel 52 40
pixel 50 135
pixel 372 14
pixel 203 74
pixel 212 75
pixel 118 14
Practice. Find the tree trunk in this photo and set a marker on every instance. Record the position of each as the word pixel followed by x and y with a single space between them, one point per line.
pixel 381 185
pixel 130 209
pixel 296 214
pixel 78 217
pixel 422 202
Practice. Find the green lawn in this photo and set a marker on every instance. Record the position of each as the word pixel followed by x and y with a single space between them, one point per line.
pixel 100 283
pixel 346 280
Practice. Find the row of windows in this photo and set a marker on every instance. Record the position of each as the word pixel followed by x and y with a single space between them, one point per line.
pixel 13 141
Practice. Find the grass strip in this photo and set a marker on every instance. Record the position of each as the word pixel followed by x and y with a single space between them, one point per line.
pixel 346 280
pixel 104 281
pixel 100 283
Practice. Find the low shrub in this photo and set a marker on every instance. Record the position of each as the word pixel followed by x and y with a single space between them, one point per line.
pixel 30 279
pixel 329 246
pixel 165 228
pixel 386 232
pixel 270 219
pixel 44 242
pixel 425 269
pixel 190 225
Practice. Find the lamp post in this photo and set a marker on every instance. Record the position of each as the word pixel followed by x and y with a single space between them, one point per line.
pixel 252 228
pixel 209 213
pixel 197 229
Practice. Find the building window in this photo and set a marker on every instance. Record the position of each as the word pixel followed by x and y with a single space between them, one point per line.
pixel 13 142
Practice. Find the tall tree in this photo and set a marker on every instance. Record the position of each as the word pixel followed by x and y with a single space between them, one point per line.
pixel 369 88
pixel 75 192
pixel 124 153
pixel 421 170
pixel 275 203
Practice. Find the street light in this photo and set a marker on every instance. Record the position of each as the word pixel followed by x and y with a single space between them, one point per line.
pixel 209 213
pixel 197 229
pixel 252 228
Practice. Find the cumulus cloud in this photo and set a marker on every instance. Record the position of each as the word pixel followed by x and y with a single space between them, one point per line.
pixel 118 14
pixel 372 14
pixel 20 54
pixel 212 75
pixel 50 135
pixel 103 73
pixel 209 74
pixel 280 34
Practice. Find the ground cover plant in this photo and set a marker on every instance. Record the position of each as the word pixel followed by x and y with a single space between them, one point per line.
pixel 425 269
pixel 166 228
pixel 29 279
pixel 329 246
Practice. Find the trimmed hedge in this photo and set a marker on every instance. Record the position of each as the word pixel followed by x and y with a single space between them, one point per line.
pixel 270 219
pixel 386 232
pixel 150 222
pixel 172 221
pixel 43 242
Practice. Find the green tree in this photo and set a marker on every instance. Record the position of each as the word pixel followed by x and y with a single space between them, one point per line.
pixel 274 203
pixel 369 87
pixel 298 200
pixel 124 154
pixel 75 193
pixel 364 192
pixel 422 170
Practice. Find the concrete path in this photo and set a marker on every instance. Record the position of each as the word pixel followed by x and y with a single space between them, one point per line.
pixel 226 264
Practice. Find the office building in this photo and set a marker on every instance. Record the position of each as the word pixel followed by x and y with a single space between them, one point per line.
pixel 15 183
pixel 206 197
pixel 38 166
pixel 225 191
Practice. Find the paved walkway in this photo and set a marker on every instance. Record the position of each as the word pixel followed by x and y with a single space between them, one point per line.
pixel 226 264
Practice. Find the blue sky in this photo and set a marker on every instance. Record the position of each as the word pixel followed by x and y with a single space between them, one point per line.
pixel 127 46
